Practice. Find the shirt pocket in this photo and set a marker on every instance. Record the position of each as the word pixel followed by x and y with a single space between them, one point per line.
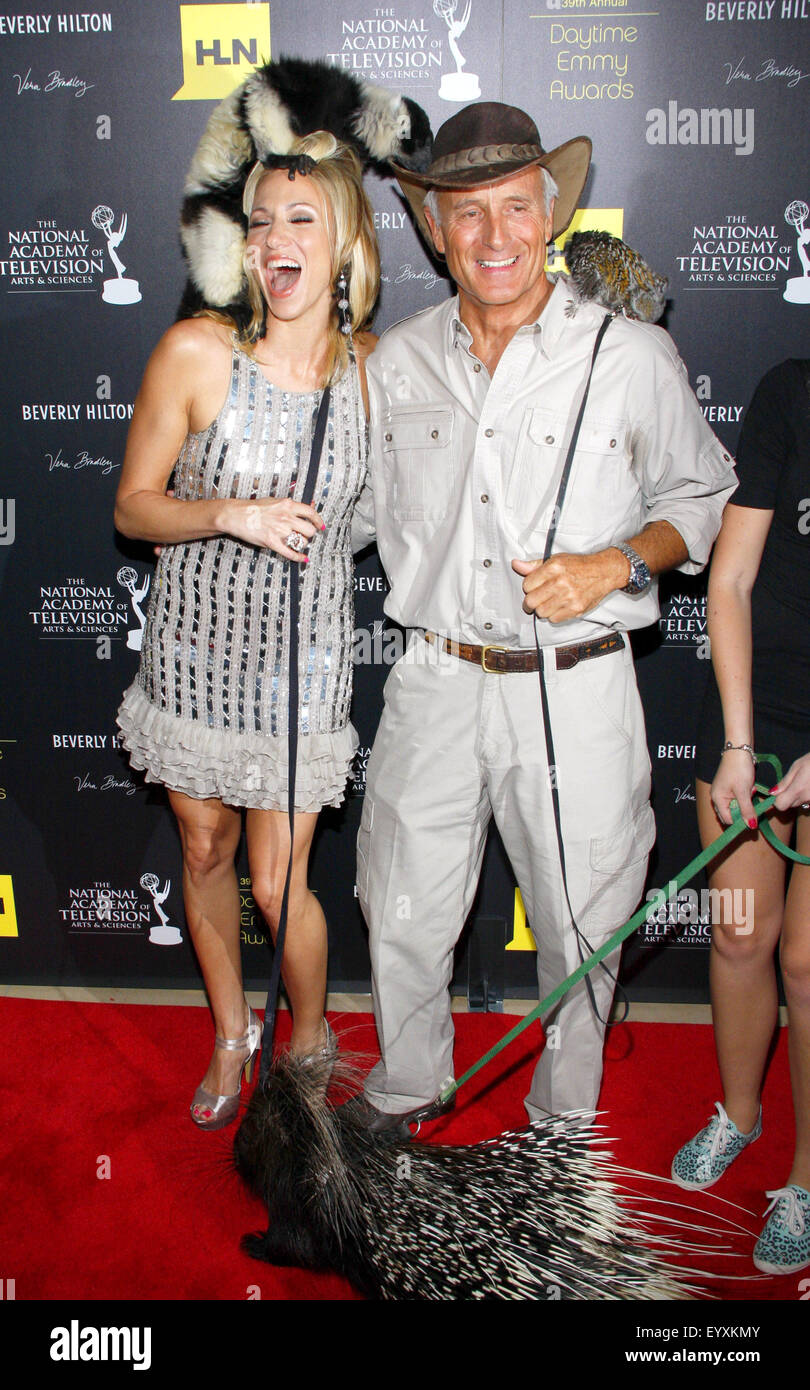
pixel 601 490
pixel 418 462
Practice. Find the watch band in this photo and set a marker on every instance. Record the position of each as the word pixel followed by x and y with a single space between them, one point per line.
pixel 640 577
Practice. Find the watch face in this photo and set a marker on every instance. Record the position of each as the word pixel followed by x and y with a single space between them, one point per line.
pixel 640 577
pixel 639 574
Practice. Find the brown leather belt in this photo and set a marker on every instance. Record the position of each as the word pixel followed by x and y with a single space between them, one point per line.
pixel 504 660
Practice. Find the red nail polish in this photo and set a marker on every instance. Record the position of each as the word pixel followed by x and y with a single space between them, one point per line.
pixel 753 823
pixel 773 789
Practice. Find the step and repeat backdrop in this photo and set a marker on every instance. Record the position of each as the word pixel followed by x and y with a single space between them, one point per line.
pixel 698 114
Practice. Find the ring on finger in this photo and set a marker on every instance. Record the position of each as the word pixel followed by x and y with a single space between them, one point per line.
pixel 295 541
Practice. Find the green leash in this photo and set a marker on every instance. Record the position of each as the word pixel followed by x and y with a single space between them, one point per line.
pixel 738 825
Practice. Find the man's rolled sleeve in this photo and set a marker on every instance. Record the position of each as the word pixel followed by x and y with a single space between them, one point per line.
pixel 687 475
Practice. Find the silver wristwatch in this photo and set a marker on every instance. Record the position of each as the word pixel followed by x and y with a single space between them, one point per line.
pixel 640 577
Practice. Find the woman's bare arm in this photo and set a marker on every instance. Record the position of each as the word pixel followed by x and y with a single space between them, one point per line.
pixel 183 388
pixel 735 564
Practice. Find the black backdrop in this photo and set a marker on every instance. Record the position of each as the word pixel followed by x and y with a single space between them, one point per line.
pixel 698 114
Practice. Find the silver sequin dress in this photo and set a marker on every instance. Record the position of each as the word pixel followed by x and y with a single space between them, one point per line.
pixel 208 711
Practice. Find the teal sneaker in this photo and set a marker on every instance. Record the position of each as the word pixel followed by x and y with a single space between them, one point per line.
pixel 706 1157
pixel 784 1246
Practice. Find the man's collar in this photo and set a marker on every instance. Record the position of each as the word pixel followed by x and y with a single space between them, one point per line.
pixel 548 325
pixel 458 334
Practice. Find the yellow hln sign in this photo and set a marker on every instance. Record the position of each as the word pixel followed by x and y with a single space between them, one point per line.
pixel 8 914
pixel 585 220
pixel 222 44
pixel 522 939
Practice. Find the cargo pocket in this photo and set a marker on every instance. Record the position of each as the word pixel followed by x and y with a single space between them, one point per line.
pixel 418 463
pixel 600 486
pixel 618 870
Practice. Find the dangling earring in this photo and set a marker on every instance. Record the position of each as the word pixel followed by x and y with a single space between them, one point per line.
pixel 343 305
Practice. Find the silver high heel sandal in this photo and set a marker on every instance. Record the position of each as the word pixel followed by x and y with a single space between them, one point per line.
pixel 224 1109
pixel 325 1056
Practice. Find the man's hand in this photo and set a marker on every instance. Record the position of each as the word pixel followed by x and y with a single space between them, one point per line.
pixel 567 585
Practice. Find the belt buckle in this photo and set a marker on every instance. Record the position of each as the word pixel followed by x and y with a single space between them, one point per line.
pixel 493 647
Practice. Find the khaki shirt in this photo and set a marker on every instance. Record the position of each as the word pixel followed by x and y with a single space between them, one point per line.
pixel 464 467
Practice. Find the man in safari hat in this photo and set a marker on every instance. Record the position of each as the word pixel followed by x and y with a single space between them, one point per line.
pixel 516 699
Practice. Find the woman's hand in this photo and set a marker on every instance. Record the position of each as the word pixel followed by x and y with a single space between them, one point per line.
pixel 734 781
pixel 269 521
pixel 794 789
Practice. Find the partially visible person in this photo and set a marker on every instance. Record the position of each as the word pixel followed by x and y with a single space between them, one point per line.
pixel 231 420
pixel 759 699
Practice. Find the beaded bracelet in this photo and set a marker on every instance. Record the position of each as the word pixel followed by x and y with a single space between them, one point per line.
pixel 739 747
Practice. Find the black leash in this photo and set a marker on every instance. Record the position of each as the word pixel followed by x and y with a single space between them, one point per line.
pixel 583 944
pixel 292 745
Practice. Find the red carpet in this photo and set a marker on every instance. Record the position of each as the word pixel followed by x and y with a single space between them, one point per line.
pixel 112 1193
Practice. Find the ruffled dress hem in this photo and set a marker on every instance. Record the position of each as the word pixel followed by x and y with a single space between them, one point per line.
pixel 240 769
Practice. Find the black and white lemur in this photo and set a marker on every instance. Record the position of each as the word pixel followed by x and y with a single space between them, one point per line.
pixel 277 103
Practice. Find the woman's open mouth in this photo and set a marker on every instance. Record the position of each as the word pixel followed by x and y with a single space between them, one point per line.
pixel 282 275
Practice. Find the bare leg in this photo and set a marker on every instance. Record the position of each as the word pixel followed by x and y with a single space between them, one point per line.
pixel 209 835
pixel 305 949
pixel 741 967
pixel 795 959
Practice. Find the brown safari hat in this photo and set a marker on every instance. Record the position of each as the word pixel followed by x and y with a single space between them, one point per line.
pixel 485 144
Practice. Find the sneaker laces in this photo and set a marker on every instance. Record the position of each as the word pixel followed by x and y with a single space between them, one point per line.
pixel 722 1131
pixel 792 1218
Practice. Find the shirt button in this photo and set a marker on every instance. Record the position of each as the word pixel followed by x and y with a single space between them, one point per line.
pixel 487 564
pixel 484 497
pixel 613 443
pixel 489 433
pixel 487 627
pixel 549 438
pixel 434 434
pixel 476 366
pixel 388 439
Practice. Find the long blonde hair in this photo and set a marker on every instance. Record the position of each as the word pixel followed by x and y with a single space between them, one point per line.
pixel 350 219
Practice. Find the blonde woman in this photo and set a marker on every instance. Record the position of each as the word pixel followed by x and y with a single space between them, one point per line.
pixel 228 422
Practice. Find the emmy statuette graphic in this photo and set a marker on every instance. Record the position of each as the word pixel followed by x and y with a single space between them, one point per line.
pixel 121 290
pixel 165 934
pixel 128 577
pixel 797 289
pixel 458 85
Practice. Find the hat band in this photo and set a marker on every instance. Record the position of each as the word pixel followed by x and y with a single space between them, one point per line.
pixel 464 160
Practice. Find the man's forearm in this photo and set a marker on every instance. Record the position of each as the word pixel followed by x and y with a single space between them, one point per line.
pixel 567 585
pixel 660 546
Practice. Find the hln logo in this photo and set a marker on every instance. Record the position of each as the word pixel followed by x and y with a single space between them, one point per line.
pixel 222 44
pixel 8 914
